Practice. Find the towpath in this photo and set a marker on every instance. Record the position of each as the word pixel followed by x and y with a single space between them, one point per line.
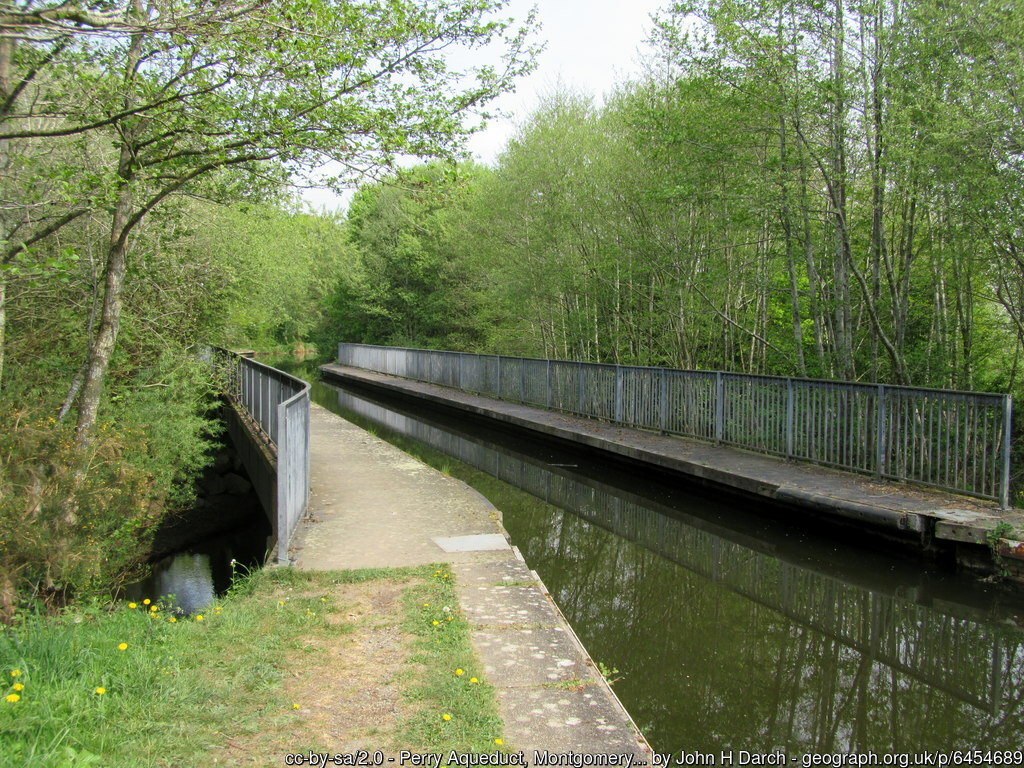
pixel 373 505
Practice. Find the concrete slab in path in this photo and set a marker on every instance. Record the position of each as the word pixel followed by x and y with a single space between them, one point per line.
pixel 373 505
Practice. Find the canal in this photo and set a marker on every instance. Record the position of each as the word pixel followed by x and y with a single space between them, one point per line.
pixel 728 629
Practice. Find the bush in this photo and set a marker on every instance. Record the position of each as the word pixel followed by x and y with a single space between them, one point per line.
pixel 76 522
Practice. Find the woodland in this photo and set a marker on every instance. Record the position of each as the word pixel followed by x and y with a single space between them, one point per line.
pixel 150 151
pixel 812 188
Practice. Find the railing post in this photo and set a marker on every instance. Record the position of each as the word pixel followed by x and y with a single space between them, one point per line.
pixel 579 377
pixel 663 401
pixel 719 407
pixel 789 417
pixel 618 393
pixel 284 468
pixel 547 375
pixel 1004 492
pixel 880 447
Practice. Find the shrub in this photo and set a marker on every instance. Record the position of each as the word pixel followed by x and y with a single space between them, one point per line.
pixel 77 522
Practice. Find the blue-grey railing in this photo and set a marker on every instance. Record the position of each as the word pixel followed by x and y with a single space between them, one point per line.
pixel 957 441
pixel 278 405
pixel 951 646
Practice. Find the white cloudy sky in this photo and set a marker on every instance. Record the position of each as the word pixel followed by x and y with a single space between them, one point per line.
pixel 591 45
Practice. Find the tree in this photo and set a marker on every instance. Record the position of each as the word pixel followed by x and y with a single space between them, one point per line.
pixel 406 287
pixel 261 93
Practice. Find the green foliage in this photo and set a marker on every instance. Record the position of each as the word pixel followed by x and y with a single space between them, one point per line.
pixel 611 674
pixel 274 268
pixel 405 288
pixel 114 122
pixel 801 189
pixel 74 524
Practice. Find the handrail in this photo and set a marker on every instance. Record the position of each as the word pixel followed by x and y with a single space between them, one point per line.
pixel 278 405
pixel 953 440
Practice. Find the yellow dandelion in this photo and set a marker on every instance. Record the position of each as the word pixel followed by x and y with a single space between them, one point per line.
pixel 122 646
pixel 218 608
pixel 295 706
pixel 172 620
pixel 426 605
pixel 147 601
pixel 280 602
pixel 323 599
pixel 100 691
pixel 154 608
pixel 473 680
pixel 446 717
pixel 133 605
pixel 11 698
pixel 435 622
pixel 459 672
pixel 499 742
pixel 199 617
pixel 18 687
pixel 449 618
pixel 15 673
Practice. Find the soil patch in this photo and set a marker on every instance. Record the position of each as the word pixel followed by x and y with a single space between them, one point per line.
pixel 346 686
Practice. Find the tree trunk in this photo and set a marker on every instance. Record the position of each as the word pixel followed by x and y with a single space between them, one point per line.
pixel 842 314
pixel 110 316
pixel 113 285
pixel 6 53
pixel 3 325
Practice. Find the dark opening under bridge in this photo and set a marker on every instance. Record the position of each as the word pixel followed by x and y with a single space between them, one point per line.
pixel 268 422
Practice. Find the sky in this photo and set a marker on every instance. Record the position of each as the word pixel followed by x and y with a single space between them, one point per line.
pixel 591 45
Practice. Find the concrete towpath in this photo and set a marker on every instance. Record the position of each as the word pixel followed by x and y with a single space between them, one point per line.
pixel 373 505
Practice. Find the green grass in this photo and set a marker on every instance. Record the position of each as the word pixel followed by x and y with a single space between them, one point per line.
pixel 443 648
pixel 179 688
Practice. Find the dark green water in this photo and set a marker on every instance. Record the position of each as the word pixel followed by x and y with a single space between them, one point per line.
pixel 731 630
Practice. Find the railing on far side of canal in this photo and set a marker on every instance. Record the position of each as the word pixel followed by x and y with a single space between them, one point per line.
pixel 956 441
pixel 277 405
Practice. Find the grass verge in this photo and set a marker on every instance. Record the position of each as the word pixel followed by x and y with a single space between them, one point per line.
pixel 458 709
pixel 290 661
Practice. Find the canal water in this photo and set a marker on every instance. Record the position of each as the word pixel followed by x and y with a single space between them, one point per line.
pixel 200 552
pixel 726 628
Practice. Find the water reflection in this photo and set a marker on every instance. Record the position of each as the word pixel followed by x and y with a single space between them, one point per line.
pixel 195 576
pixel 188 578
pixel 736 633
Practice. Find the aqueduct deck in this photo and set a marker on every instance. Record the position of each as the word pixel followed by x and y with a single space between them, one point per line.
pixel 922 517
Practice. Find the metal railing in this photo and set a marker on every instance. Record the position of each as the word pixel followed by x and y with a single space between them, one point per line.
pixel 957 441
pixel 954 648
pixel 278 405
